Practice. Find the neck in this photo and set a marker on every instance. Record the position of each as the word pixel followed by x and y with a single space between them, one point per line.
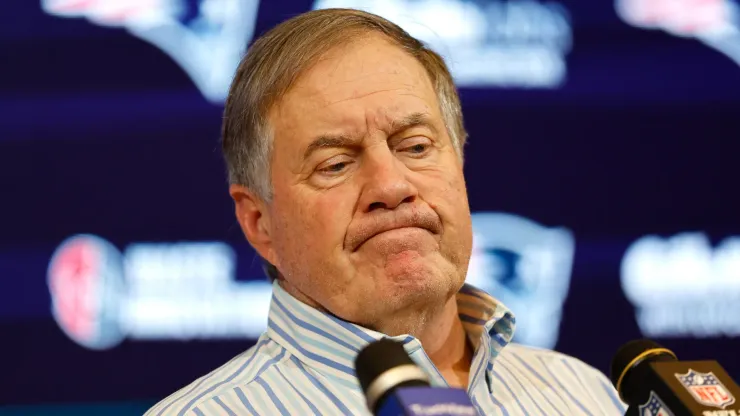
pixel 446 344
pixel 442 335
pixel 439 330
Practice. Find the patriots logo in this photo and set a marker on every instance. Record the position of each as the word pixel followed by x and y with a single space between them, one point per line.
pixel 527 266
pixel 206 38
pixel 706 388
pixel 715 23
pixel 654 407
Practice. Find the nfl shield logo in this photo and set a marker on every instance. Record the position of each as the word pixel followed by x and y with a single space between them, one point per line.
pixel 654 407
pixel 706 388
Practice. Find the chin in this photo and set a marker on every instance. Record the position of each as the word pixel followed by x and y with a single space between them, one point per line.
pixel 420 283
pixel 412 268
pixel 407 304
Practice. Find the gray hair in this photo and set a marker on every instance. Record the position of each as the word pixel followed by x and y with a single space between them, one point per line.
pixel 276 60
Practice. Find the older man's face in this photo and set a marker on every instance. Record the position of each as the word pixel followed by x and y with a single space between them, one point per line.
pixel 369 217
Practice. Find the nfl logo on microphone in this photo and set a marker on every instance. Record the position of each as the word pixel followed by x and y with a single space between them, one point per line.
pixel 706 389
pixel 654 407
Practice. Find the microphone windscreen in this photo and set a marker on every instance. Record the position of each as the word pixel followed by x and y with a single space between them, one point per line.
pixel 377 358
pixel 631 359
pixel 627 353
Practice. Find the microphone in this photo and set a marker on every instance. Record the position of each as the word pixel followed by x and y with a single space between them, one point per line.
pixel 651 380
pixel 394 385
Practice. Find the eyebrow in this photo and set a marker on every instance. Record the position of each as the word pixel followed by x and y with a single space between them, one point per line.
pixel 411 120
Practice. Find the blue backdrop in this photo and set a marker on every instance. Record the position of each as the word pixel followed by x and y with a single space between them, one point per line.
pixel 610 125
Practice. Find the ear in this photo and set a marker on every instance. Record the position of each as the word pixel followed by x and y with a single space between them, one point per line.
pixel 254 218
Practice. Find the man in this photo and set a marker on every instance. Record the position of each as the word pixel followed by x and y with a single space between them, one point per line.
pixel 344 140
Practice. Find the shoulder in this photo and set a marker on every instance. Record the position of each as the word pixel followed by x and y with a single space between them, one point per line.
pixel 553 366
pixel 225 387
pixel 566 375
pixel 541 357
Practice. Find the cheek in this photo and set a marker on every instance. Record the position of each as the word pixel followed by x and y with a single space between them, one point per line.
pixel 445 192
pixel 314 223
pixel 331 214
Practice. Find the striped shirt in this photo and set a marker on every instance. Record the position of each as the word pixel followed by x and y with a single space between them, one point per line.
pixel 304 365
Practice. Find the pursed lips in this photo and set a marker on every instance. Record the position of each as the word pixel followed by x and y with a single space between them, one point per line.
pixel 392 229
pixel 425 222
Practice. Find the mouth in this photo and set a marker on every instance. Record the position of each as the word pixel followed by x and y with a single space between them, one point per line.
pixel 406 227
pixel 400 232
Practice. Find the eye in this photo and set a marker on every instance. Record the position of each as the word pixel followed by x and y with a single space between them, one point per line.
pixel 334 166
pixel 418 148
pixel 415 146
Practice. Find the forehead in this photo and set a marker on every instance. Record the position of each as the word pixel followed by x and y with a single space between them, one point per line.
pixel 365 84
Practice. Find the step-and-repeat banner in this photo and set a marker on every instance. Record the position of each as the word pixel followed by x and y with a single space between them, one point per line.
pixel 601 165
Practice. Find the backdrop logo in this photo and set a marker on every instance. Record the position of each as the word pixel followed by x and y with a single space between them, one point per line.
pixel 85 281
pixel 682 286
pixel 526 266
pixel 158 291
pixel 206 37
pixel 504 43
pixel 716 23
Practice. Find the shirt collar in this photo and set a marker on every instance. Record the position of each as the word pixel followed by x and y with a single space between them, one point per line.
pixel 328 344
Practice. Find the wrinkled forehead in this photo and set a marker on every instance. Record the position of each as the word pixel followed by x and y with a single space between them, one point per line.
pixel 367 84
pixel 343 71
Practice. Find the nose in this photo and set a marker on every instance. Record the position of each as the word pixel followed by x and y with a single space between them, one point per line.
pixel 386 183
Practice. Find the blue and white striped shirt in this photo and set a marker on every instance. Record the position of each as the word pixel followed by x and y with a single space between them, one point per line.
pixel 304 365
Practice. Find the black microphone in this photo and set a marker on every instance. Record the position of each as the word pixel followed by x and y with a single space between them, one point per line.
pixel 651 380
pixel 394 385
